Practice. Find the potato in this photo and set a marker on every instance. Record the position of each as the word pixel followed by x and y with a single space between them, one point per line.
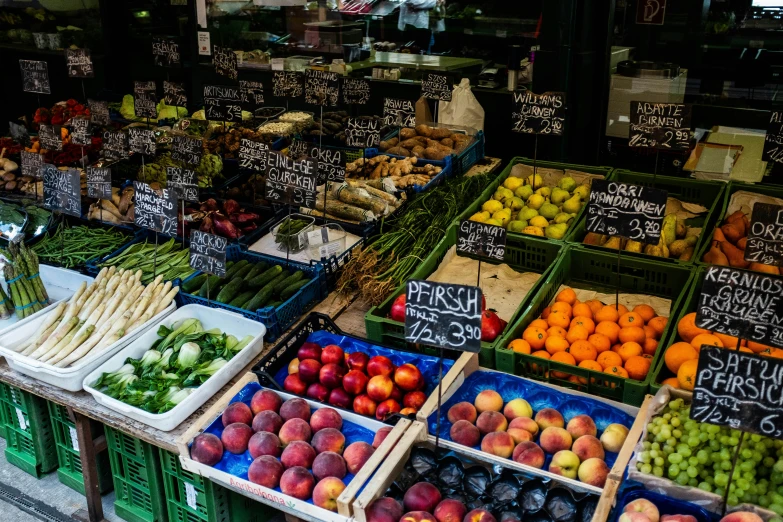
pixel 384 145
pixel 440 133
pixel 424 130
pixel 458 136
pixel 447 142
pixel 432 153
pixel 412 142
pixel 407 133
pixel 399 151
pixel 418 151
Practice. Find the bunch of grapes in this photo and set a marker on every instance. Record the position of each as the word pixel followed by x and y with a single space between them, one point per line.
pixel 700 455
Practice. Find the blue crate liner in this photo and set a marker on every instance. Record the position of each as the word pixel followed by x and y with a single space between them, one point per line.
pixel 238 465
pixel 445 164
pixel 539 396
pixel 427 364
pixel 462 162
pixel 666 505
pixel 276 320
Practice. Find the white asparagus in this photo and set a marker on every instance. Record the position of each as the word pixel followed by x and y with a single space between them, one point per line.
pixel 124 306
pixel 141 320
pixel 77 340
pixel 142 306
pixel 115 299
pixel 114 283
pixel 43 338
pixel 139 275
pixel 94 344
pixel 87 309
pixel 89 303
pixel 70 313
pixel 166 300
pixel 51 317
pixel 101 274
pixel 62 343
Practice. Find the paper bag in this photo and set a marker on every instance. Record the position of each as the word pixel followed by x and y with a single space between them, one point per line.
pixel 423 113
pixel 463 109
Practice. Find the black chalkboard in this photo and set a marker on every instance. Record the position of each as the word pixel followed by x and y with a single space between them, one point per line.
pixel 298 148
pixel 174 94
pixel 35 76
pixel 145 103
pixel 61 190
pixel 623 209
pixel 31 164
pixel 252 94
pixel 184 183
pixel 538 113
pixel 773 141
pixel 664 126
pixel 289 181
pixel 225 61
pixel 288 84
pixel 399 113
pixel 99 182
pixel 116 145
pixel 142 141
pixel 743 304
pixel 50 137
pixel 186 149
pixel 356 91
pixel 443 315
pixel 436 87
pixel 208 253
pixel 252 155
pixel 765 238
pixel 322 88
pixel 79 63
pixel 481 240
pixel 363 132
pixel 19 133
pixel 99 112
pixel 165 52
pixel 222 103
pixel 738 390
pixel 81 133
pixel 155 209
pixel 331 163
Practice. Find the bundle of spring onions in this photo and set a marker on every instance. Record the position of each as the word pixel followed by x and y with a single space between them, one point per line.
pixel 97 316
pixel 171 261
pixel 28 294
pixel 183 358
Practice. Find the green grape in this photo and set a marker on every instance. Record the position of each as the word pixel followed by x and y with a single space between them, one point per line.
pixel 673 471
pixel 659 461
pixel 691 425
pixel 704 486
pixel 693 441
pixel 692 472
pixel 644 457
pixel 733 500
pixel 778 467
pixel 724 439
pixel 720 491
pixel 725 454
pixel 747 466
pixel 657 421
pixel 655 446
pixel 667 416
pixel 653 453
pixel 763 501
pixel 674 458
pixel 658 471
pixel 685 451
pixel 677 434
pixel 655 430
pixel 755 437
pixel 746 453
pixel 675 404
pixel 671 442
pixel 711 428
pixel 646 469
pixel 646 445
pixel 693 461
pixel 714 445
pixel 693 482
pixel 675 422
pixel 710 480
pixel 666 433
pixel 721 479
pixel 703 457
pixel 733 441
pixel 683 465
pixel 703 437
pixel 682 479
pixel 760 447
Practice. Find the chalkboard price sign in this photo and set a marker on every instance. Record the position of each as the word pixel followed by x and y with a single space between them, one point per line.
pixel 738 390
pixel 765 238
pixel 436 87
pixel 356 91
pixel 481 240
pixel 145 104
pixel 773 141
pixel 99 112
pixel 363 132
pixel 225 61
pixel 287 84
pixel 165 52
pixel 208 253
pixel 79 63
pixel 298 148
pixel 35 76
pixel 142 141
pixel 99 182
pixel 155 209
pixel 49 136
pixel 186 149
pixel 174 94
pixel 31 164
pixel 443 315
pixel 19 133
pixel 538 113
pixel 61 190
pixel 252 155
pixel 81 133
pixel 623 209
pixel 322 88
pixel 398 113
pixel 252 94
pixel 331 162
pixel 664 126
pixel 116 145
pixel 290 182
pixel 184 183
pixel 223 103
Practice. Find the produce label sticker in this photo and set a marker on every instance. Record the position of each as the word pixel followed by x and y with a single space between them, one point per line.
pixel 155 209
pixel 252 155
pixel 538 113
pixel 190 496
pixel 174 94
pixel 322 88
pixel 765 238
pixel 79 63
pixel 289 181
pixel 443 315
pixel 99 112
pixel 252 94
pixel 184 183
pixel 436 87
pixel 363 132
pixel 222 103
pixel 203 43
pixel 142 141
pixel 481 240
pixel 187 150
pixel 35 76
pixel 331 163
pixel 773 141
pixel 19 133
pixel 31 164
pixel 20 419
pixel 208 253
pixel 62 190
pixel 116 145
pixel 287 84
pixel 74 439
pixel 626 210
pixel 99 182
pixel 81 133
pixel 740 390
pixel 50 137
pixel 225 61
pixel 145 103
pixel 356 91
pixel 664 126
pixel 165 52
pixel 743 304
pixel 398 113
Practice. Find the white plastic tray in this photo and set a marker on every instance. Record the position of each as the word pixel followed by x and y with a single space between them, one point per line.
pixel 226 321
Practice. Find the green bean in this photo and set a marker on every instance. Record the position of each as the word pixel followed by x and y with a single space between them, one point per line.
pixel 71 246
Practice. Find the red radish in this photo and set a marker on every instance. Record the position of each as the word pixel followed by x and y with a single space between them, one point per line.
pixel 398 309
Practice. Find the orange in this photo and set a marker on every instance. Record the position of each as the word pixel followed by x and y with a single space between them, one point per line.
pixel 609 329
pixel 558 319
pixel 677 354
pixel 545 313
pixel 631 319
pixel 671 381
pixel 574 379
pixel 776 353
pixel 600 342
pixel 583 351
pixel 595 305
pixel 616 347
pixel 650 332
pixel 650 346
pixel 745 349
pixel 536 337
pixel 539 323
pixel 565 358
pixel 758 347
pixel 686 375
pixel 543 355
pixel 609 359
pixel 687 327
pixel 607 313
pixel 629 349
pixel 645 311
pixel 620 309
pixel 701 339
pixel 589 365
pixel 617 371
pixel 563 308
pixel 659 324
pixel 584 321
pixel 519 346
pixel 556 344
pixel 582 310
pixel 577 333
pixel 567 295
pixel 727 340
pixel 637 367
pixel 632 333
pixel 556 330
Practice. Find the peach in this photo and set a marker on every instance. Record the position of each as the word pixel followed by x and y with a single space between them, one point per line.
pixel 488 400
pixel 356 455
pixel 519 435
pixel 207 449
pixel 293 366
pixel 421 496
pixel 678 518
pixel 385 509
pixel 741 516
pixel 555 439
pixel 380 436
pixel 308 370
pixel 295 409
pixel 517 408
pixel 386 409
pixel 364 405
pixel 329 464
pixel 264 443
pixel 594 472
pixel 581 425
pixel 317 392
pixel 408 377
pixel 267 421
pixel 329 439
pixel 633 516
pixel 298 453
pixel 524 423
pixel 235 437
pixel 297 482
pixel 613 437
pixel 417 516
pixel 396 393
pixel 530 454
pixel 380 365
pixel 414 399
pixel 325 418
pixel 265 400
pixel 490 421
pixel 237 412
pixel 265 471
pixel 498 443
pixel 340 398
pixel 588 447
pixel 358 361
pixel 479 515
pixel 309 351
pixel 642 505
pixel 331 375
pixel 465 433
pixel 326 492
pixel 450 510
pixel 379 388
pixel 549 417
pixel 294 384
pixel 355 382
pixel 333 354
pixel 462 411
pixel 564 463
pixel 407 412
pixel 294 429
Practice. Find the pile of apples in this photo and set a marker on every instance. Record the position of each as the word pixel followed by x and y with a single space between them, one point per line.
pixel 371 386
pixel 642 510
pixel 576 450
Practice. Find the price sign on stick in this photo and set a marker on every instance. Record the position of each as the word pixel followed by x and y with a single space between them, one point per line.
pixel 252 94
pixel 174 94
pixel 99 182
pixel 61 190
pixel 291 182
pixel 81 133
pixel 31 164
pixel 208 253
pixel 225 61
pixel 538 113
pixel 322 88
pixel 223 103
pixel 142 141
pixel 356 91
pixel 331 163
pixel 165 52
pixel 35 76
pixel 19 133
pixel 398 112
pixel 145 103
pixel 155 209
pixel 187 150
pixel 184 183
pixel 481 240
pixel 99 112
pixel 252 155
pixel 773 141
pixel 436 87
pixel 623 209
pixel 79 63
pixel 664 126
pixel 116 145
pixel 287 84
pixel 298 148
pixel 49 136
pixel 765 238
pixel 363 132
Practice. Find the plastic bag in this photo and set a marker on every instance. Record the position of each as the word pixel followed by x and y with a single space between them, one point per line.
pixel 463 109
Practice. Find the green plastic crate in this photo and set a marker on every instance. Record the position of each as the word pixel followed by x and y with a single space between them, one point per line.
pixel 138 485
pixel 69 471
pixel 29 435
pixel 709 194
pixel 190 497
pixel 592 269
pixel 245 509
pixel 529 254
pixel 3 388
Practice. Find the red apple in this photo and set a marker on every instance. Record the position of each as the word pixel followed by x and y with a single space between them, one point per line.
pixel 358 361
pixel 331 375
pixel 308 370
pixel 397 312
pixel 340 398
pixel 309 351
pixel 355 382
pixel 333 354
pixel 380 365
pixel 318 392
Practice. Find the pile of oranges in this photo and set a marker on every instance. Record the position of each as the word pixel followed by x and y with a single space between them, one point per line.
pixel 595 336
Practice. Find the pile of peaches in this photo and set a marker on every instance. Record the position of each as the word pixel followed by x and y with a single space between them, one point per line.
pixel 576 451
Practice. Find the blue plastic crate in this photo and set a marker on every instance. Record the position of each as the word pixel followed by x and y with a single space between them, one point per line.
pixel 462 162
pixel 277 320
pixel 666 505
pixel 445 164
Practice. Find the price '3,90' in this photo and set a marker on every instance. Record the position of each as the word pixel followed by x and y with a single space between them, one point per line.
pixel 457 334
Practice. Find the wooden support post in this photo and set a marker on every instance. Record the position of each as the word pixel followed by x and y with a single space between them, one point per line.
pixel 89 449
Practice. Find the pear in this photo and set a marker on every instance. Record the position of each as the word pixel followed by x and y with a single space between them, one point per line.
pixel 524 192
pixel 535 201
pixel 514 203
pixel 537 182
pixel 539 221
pixel 480 217
pixel 562 217
pixel 556 231
pixel 548 210
pixel 534 231
pixel 493 222
pixel 544 191
pixel 491 206
pixel 502 216
pixel 526 214
pixel 559 195
pixel 583 191
pixel 567 183
pixel 572 205
pixel 516 226
pixel 512 183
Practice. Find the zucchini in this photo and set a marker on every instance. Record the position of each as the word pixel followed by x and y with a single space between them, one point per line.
pixel 194 283
pixel 242 298
pixel 265 293
pixel 213 284
pixel 236 266
pixel 292 289
pixel 282 285
pixel 258 268
pixel 242 272
pixel 229 291
pixel 260 280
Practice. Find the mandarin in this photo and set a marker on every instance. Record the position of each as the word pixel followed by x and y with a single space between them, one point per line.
pixel 609 359
pixel 630 349
pixel 637 367
pixel 671 381
pixel 650 346
pixel 589 365
pixel 545 313
pixel 631 319
pixel 520 346
pixel 536 337
pixel 558 319
pixel 539 323
pixel 595 305
pixel 632 334
pixel 650 332
pixel 543 354
pixel 600 342
pixel 556 344
pixel 617 371
pixel 609 329
pixel 677 354
pixel 583 351
pixel 686 374
pixel 582 310
pixel 577 333
pixel 607 313
pixel 687 327
pixel 645 311
pixel 703 339
pixel 727 340
pixel 581 320
pixel 563 308
pixel 567 295
pixel 556 330
pixel 659 324
pixel 565 358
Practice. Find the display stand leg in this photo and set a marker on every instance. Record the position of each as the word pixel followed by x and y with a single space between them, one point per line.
pixel 734 459
pixel 288 246
pixel 183 224
pixel 617 283
pixel 326 180
pixel 478 276
pixel 440 394
pixel 62 234
pixel 89 450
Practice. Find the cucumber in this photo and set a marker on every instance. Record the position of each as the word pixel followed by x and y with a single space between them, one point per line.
pixel 282 285
pixel 229 291
pixel 265 293
pixel 194 283
pixel 236 266
pixel 213 283
pixel 260 280
pixel 242 272
pixel 275 304
pixel 258 269
pixel 292 289
pixel 242 298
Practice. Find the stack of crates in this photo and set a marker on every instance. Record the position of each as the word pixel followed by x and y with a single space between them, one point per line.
pixel 28 431
pixel 190 497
